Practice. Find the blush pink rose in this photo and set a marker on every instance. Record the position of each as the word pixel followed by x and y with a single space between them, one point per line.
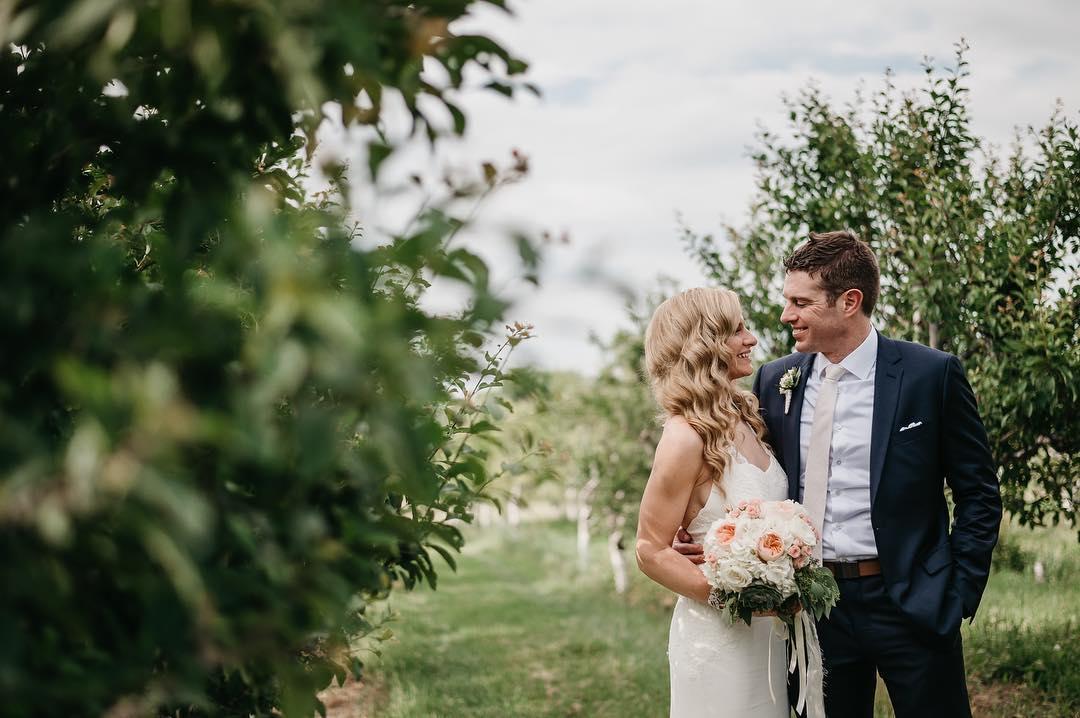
pixel 784 509
pixel 725 533
pixel 794 551
pixel 800 561
pixel 770 546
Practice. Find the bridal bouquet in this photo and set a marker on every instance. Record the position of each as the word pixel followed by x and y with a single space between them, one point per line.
pixel 758 558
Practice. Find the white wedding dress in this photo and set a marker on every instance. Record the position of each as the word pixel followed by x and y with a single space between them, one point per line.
pixel 719 668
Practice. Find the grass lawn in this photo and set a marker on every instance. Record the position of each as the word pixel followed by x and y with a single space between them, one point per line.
pixel 517 631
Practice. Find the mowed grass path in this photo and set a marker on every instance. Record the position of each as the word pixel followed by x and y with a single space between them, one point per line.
pixel 517 631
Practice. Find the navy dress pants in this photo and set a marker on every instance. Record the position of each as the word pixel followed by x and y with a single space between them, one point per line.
pixel 866 635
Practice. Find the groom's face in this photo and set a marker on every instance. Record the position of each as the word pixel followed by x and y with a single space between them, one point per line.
pixel 815 325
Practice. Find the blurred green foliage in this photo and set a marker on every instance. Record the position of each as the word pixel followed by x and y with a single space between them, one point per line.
pixel 226 423
pixel 979 256
pixel 623 423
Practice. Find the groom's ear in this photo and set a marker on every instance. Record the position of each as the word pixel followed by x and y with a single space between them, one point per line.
pixel 851 302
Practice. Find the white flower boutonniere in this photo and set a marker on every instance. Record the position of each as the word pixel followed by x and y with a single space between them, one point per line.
pixel 788 382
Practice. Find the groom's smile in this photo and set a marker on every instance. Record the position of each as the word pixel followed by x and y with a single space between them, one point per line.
pixel 817 325
pixel 806 310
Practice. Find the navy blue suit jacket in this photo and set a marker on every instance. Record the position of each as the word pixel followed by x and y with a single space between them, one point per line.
pixel 934 576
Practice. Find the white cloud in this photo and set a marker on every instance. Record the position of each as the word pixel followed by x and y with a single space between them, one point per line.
pixel 648 110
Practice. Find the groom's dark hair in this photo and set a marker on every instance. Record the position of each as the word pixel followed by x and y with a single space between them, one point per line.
pixel 841 261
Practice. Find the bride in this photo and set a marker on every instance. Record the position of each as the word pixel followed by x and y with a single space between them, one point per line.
pixel 712 452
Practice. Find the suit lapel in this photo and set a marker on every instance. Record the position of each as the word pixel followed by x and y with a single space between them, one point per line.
pixel 792 424
pixel 887 379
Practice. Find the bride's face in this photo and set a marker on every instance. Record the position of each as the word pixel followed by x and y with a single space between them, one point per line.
pixel 741 343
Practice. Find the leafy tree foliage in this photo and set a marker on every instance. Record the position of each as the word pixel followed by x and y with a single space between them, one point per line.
pixel 227 423
pixel 624 425
pixel 980 256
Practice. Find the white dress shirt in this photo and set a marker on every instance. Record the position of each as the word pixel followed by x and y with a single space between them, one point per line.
pixel 847 533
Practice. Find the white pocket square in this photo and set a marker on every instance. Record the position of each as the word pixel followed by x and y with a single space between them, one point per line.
pixel 912 425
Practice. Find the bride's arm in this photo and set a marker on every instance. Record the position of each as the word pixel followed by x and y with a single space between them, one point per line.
pixel 677 465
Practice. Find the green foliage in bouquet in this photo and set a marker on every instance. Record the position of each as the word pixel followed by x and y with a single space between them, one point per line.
pixel 817 592
pixel 755 598
pixel 227 422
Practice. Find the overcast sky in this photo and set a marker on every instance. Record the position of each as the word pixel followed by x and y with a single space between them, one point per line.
pixel 648 110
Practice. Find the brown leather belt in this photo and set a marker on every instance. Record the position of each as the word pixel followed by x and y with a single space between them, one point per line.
pixel 854 569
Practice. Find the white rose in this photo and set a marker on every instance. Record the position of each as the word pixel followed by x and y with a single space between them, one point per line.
pixel 742 542
pixel 779 573
pixel 756 569
pixel 733 577
pixel 802 531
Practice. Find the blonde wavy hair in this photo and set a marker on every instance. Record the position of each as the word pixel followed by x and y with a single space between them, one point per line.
pixel 687 360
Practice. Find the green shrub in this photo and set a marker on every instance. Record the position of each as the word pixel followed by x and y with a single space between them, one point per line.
pixel 226 423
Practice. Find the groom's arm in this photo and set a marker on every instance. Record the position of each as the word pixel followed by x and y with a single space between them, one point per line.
pixel 972 476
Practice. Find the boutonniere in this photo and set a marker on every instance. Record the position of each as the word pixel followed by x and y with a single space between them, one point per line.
pixel 788 382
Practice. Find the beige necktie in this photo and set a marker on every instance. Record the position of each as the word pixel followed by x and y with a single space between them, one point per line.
pixel 817 456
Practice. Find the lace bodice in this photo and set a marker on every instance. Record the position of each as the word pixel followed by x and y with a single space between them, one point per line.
pixel 742 481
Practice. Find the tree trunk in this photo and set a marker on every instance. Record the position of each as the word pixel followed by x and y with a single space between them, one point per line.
pixel 618 560
pixel 513 511
pixel 570 503
pixel 935 340
pixel 583 510
pixel 485 515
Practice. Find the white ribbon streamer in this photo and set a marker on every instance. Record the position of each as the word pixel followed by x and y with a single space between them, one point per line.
pixel 807 658
pixel 785 636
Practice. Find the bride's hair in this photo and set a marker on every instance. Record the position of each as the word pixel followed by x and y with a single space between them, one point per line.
pixel 687 359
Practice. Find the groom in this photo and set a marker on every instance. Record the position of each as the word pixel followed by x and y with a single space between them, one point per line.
pixel 870 431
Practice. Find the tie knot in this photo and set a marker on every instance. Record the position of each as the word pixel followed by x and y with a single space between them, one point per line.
pixel 834 372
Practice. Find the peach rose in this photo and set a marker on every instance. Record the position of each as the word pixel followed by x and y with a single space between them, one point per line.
pixel 770 546
pixel 725 533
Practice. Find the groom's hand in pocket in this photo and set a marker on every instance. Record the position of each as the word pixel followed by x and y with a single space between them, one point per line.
pixel 684 544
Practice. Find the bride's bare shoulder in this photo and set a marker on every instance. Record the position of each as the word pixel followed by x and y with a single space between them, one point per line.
pixel 680 436
pixel 680 452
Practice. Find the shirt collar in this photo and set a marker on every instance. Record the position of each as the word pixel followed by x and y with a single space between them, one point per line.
pixel 860 362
